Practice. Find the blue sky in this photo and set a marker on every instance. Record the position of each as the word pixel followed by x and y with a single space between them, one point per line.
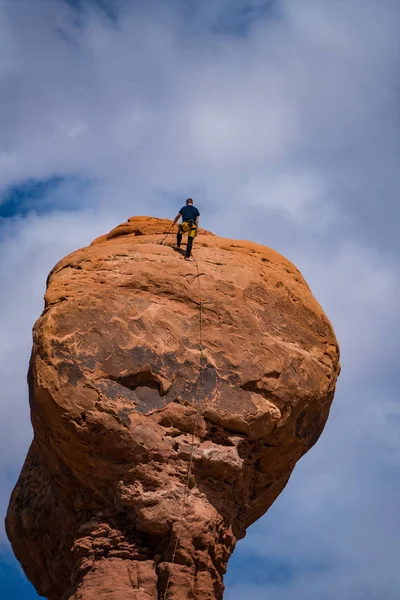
pixel 281 119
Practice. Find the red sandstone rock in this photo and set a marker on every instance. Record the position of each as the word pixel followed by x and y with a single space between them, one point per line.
pixel 114 390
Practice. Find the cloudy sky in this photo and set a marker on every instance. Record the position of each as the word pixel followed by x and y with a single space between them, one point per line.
pixel 281 118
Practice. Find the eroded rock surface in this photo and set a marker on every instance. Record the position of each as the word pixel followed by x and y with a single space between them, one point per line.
pixel 117 408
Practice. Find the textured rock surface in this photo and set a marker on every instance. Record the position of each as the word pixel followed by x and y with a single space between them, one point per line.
pixel 114 382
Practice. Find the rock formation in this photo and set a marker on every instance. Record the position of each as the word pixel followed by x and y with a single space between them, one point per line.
pixel 123 399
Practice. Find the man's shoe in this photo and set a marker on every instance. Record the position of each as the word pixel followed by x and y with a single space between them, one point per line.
pixel 190 259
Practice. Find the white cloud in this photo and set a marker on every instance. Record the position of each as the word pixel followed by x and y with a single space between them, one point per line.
pixel 285 133
pixel 151 103
pixel 297 195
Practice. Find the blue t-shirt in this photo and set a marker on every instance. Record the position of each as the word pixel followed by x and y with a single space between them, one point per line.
pixel 189 212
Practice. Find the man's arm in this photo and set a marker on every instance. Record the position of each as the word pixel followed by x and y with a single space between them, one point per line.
pixel 197 219
pixel 178 216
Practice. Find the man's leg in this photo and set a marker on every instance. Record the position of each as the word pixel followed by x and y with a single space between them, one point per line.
pixel 189 246
pixel 179 238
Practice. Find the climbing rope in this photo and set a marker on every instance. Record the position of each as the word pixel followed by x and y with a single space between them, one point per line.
pixel 167 234
pixel 196 424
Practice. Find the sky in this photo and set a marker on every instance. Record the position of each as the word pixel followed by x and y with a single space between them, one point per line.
pixel 281 119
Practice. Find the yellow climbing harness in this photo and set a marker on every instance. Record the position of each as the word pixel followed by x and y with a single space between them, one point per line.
pixel 188 227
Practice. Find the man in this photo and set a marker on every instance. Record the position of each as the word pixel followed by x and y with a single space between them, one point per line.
pixel 190 222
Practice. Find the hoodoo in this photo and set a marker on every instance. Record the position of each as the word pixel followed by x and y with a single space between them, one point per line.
pixel 170 402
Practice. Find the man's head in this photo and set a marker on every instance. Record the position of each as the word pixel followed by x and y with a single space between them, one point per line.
pixel 189 201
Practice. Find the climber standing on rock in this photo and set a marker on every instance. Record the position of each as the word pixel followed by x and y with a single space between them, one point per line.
pixel 190 222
